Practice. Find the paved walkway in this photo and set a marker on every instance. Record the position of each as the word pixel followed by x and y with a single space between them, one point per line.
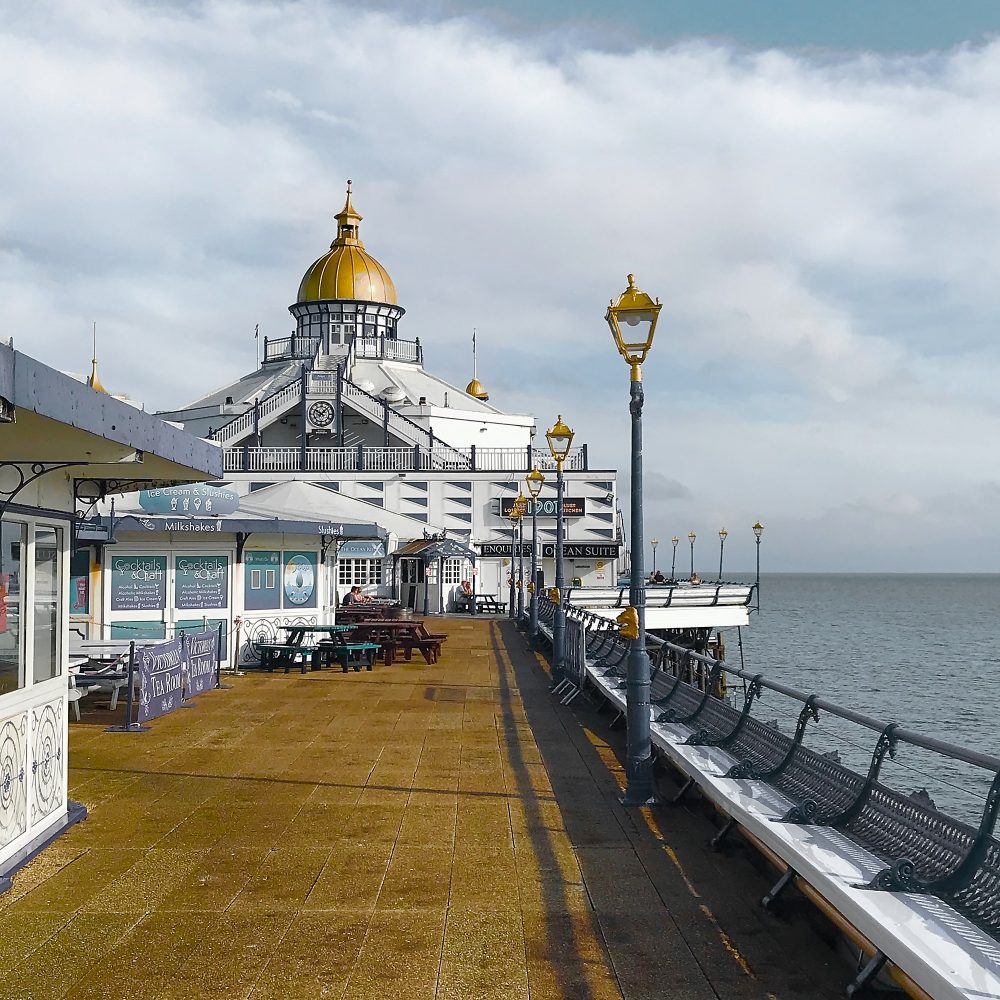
pixel 439 831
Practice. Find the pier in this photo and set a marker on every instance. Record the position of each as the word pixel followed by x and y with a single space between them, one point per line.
pixel 444 830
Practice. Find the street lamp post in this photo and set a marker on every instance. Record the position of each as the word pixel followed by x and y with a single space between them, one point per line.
pixel 522 505
pixel 560 438
pixel 654 542
pixel 758 530
pixel 534 480
pixel 673 561
pixel 691 537
pixel 723 535
pixel 633 322
pixel 512 598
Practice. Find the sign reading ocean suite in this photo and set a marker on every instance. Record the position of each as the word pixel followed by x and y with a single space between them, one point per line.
pixel 201 582
pixel 138 583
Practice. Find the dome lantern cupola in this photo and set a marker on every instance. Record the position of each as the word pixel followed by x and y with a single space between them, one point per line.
pixel 347 272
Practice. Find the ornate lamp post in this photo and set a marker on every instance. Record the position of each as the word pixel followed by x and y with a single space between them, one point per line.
pixel 522 506
pixel 758 530
pixel 535 481
pixel 560 439
pixel 633 322
pixel 723 535
pixel 691 537
pixel 673 561
pixel 513 517
pixel 654 542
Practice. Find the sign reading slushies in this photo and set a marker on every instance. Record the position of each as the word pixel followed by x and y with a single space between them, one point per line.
pixel 200 501
pixel 201 582
pixel 138 583
pixel 572 507
pixel 202 652
pixel 300 579
pixel 161 676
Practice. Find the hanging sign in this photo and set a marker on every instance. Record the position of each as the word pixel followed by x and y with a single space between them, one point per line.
pixel 300 579
pixel 198 500
pixel 161 676
pixel 361 550
pixel 572 507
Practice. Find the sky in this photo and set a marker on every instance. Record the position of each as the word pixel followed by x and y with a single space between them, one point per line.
pixel 812 190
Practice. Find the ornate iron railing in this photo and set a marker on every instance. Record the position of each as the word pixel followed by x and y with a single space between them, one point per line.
pixel 924 850
pixel 293 348
pixel 397 459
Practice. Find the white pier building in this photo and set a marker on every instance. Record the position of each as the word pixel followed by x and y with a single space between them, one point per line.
pixel 349 405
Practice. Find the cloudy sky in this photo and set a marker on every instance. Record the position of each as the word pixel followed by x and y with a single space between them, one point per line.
pixel 815 200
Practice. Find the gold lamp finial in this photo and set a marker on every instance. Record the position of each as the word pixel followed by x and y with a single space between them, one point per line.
pixel 348 219
pixel 633 322
pixel 94 381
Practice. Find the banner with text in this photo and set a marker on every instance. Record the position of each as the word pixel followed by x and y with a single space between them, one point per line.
pixel 161 677
pixel 202 655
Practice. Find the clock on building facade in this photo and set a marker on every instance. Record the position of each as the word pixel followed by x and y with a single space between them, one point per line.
pixel 321 413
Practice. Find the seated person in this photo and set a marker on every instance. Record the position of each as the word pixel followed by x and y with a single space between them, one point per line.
pixel 694 579
pixel 658 577
pixel 354 596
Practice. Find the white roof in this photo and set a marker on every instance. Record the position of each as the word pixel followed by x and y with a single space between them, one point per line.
pixel 296 500
pixel 707 605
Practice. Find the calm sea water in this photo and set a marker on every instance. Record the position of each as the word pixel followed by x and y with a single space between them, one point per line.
pixel 920 650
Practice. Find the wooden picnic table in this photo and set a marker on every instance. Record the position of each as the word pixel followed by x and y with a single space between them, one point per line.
pixel 283 654
pixel 296 633
pixel 485 602
pixel 407 634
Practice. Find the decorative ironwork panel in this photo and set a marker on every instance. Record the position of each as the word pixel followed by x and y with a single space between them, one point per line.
pixel 47 763
pixel 13 775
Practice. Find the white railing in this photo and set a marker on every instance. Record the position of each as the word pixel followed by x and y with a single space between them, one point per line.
pixel 244 423
pixel 405 459
pixel 388 349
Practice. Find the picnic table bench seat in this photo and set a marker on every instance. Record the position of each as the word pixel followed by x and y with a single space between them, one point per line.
pixel 348 654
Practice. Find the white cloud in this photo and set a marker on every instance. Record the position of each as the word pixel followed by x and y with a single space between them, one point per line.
pixel 823 233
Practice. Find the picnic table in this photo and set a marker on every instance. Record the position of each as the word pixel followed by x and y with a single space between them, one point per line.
pixel 295 634
pixel 283 654
pixel 400 633
pixel 485 602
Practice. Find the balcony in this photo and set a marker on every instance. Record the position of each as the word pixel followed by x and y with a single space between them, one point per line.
pixel 293 348
pixel 414 459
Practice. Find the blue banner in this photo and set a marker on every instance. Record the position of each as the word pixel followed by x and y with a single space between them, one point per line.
pixel 161 677
pixel 202 655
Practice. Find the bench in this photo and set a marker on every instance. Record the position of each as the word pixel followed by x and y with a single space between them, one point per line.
pixel 840 837
pixel 348 654
pixel 282 654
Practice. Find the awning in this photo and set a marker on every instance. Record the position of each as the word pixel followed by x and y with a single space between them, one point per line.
pixel 244 525
pixel 434 548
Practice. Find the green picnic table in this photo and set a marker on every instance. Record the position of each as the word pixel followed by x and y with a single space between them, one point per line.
pixel 283 654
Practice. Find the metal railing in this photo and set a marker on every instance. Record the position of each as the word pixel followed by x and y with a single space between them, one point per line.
pixel 924 849
pixel 388 349
pixel 244 423
pixel 250 458
pixel 293 348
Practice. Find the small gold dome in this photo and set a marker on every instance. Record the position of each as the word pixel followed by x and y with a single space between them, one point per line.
pixel 476 388
pixel 93 381
pixel 347 270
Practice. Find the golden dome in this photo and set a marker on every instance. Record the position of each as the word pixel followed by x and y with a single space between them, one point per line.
pixel 477 389
pixel 93 381
pixel 347 270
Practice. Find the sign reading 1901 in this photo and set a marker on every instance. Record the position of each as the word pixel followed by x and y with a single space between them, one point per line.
pixel 572 507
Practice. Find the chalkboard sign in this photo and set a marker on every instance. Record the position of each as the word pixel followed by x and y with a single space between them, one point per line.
pixel 201 582
pixel 138 583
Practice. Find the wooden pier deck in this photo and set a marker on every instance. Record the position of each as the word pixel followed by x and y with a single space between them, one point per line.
pixel 443 831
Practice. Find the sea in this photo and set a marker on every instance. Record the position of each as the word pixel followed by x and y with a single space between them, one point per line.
pixel 922 650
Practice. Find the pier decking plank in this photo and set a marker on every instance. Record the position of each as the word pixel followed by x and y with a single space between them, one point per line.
pixel 439 831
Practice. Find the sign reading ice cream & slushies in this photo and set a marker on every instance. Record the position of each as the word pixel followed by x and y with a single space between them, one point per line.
pixel 138 583
pixel 201 582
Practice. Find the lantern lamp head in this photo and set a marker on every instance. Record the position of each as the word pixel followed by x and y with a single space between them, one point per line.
pixel 633 323
pixel 723 534
pixel 758 530
pixel 535 481
pixel 674 541
pixel 560 439
pixel 691 537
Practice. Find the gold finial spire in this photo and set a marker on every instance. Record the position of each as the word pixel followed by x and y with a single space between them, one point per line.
pixel 476 388
pixel 347 223
pixel 94 382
